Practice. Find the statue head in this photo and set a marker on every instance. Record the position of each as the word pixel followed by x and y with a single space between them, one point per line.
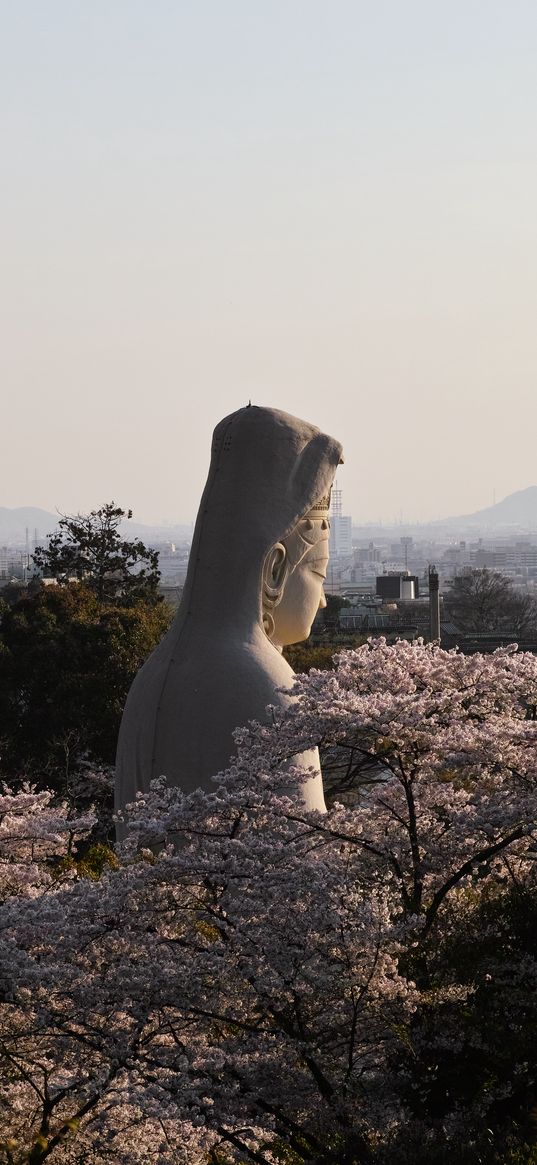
pixel 293 578
pixel 260 547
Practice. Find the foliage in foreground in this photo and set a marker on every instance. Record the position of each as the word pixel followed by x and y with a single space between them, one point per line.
pixel 90 548
pixel 67 661
pixel 484 601
pixel 259 984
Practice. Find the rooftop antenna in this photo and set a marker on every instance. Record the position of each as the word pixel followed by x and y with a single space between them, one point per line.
pixel 406 542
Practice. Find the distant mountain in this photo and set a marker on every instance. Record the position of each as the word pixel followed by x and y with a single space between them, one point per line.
pixel 149 534
pixel 14 523
pixel 516 512
pixel 517 509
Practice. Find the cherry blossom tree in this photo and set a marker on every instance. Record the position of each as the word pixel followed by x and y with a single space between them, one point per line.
pixel 259 983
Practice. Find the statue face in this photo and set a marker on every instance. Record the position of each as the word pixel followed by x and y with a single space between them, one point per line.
pixel 302 596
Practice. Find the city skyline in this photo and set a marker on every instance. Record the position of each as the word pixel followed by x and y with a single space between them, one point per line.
pixel 398 516
pixel 516 511
pixel 325 210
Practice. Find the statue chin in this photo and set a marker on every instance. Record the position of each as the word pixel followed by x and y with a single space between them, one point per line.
pixel 254 584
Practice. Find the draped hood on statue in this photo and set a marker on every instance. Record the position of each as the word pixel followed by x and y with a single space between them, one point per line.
pixel 217 667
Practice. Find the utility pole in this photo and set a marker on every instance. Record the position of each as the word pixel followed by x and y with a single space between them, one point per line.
pixel 434 605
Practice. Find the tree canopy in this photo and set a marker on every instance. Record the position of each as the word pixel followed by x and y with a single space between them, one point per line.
pixel 484 601
pixel 67 660
pixel 69 651
pixel 255 983
pixel 90 547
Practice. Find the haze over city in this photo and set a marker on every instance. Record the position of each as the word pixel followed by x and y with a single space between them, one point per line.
pixel 327 209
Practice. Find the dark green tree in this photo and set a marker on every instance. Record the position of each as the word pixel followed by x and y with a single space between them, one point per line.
pixel 90 547
pixel 484 601
pixel 67 660
pixel 329 615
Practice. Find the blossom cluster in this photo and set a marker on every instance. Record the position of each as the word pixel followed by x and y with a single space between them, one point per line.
pixel 257 982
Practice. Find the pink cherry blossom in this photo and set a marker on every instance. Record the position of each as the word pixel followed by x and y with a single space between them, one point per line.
pixel 255 979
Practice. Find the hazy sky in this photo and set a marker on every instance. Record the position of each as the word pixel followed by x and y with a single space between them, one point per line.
pixel 328 207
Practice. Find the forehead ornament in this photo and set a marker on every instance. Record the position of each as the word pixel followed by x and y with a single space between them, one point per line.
pixel 319 512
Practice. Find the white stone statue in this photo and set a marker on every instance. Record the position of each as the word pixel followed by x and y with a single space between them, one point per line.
pixel 254 584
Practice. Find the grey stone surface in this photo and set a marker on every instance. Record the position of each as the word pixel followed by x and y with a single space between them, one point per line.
pixel 254 583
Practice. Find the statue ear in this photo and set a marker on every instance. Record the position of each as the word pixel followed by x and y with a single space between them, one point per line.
pixel 274 576
pixel 276 566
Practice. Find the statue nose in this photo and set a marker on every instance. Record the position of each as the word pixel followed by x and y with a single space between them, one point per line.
pixel 322 601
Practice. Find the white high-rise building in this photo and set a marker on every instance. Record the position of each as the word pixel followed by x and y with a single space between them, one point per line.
pixel 340 528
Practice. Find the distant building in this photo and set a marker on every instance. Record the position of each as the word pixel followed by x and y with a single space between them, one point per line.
pixel 172 564
pixel 398 584
pixel 366 554
pixel 340 544
pixel 340 536
pixel 12 564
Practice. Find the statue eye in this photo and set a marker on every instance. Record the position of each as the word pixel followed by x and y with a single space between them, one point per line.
pixel 318 566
